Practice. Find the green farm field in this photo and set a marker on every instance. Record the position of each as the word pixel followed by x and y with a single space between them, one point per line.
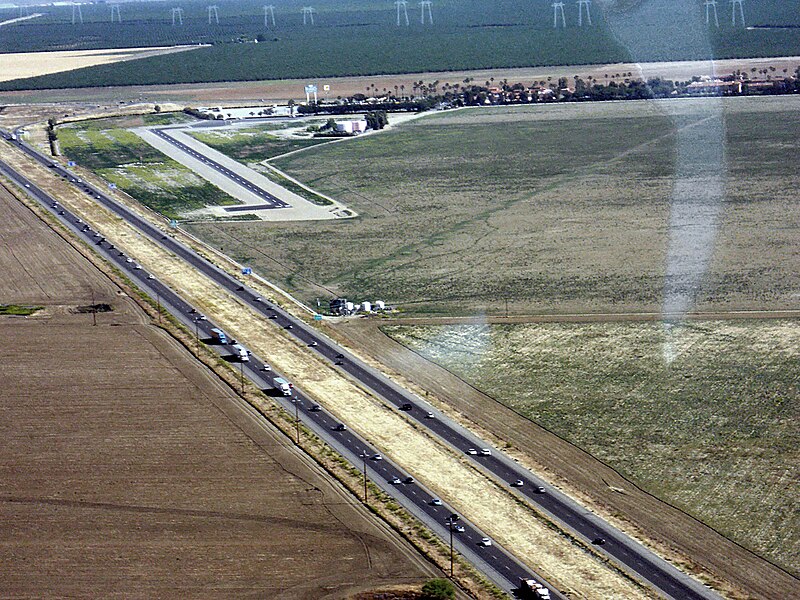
pixel 556 208
pixel 712 431
pixel 119 156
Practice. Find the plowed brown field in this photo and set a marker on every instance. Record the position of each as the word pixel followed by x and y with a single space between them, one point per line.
pixel 128 470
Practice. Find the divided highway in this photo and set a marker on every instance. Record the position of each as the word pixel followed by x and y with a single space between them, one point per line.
pixel 492 560
pixel 623 550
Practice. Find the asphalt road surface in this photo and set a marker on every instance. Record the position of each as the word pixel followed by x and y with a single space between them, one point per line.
pixel 270 201
pixel 620 548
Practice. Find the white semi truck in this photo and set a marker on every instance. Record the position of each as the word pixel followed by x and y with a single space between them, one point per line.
pixel 241 353
pixel 284 386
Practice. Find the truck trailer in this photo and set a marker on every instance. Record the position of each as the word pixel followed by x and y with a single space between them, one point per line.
pixel 284 386
pixel 241 353
pixel 219 336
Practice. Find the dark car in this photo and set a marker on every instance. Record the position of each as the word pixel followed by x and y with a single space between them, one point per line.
pixel 599 541
pixel 406 406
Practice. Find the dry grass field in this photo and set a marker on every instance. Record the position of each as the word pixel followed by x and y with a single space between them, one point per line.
pixel 560 208
pixel 703 416
pixel 32 64
pixel 128 470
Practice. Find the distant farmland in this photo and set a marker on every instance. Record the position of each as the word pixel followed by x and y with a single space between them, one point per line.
pixel 361 37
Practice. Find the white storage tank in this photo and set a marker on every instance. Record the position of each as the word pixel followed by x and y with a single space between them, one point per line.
pixel 350 306
pixel 380 305
pixel 367 306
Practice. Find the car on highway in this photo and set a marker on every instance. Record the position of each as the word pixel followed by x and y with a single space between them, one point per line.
pixel 258 299
pixel 266 368
pixel 435 502
pixel 599 541
pixel 459 528
pixel 395 481
pixel 408 479
pixel 540 489
pixel 313 344
pixel 472 452
pixel 151 276
pixel 129 260
pixel 407 406
pixel 340 427
pixel 315 408
pixel 485 542
pixel 429 415
pixel 486 452
pixel 517 483
pixel 377 457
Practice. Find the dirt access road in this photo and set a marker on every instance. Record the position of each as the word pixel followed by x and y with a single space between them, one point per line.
pixel 685 541
pixel 127 468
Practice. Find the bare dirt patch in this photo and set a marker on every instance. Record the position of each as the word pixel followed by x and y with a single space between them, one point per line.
pixel 128 469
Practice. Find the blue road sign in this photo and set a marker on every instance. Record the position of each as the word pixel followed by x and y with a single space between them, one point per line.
pixel 247 271
pixel 173 223
pixel 318 317
pixel 112 186
pixel 70 163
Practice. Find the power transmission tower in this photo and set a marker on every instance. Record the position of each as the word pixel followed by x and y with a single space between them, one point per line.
pixel 734 4
pixel 558 6
pixel 177 12
pixel 77 15
pixel 581 5
pixel 404 5
pixel 308 12
pixel 269 13
pixel 115 11
pixel 213 11
pixel 711 5
pixel 422 6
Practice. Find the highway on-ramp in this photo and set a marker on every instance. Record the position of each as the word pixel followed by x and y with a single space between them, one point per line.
pixel 620 548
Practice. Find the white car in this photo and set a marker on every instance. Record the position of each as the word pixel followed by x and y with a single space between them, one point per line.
pixel 459 528
pixel 435 502
pixel 486 452
pixel 396 481
pixel 486 542
pixel 429 415
pixel 472 452
pixel 518 483
pixel 266 368
pixel 377 457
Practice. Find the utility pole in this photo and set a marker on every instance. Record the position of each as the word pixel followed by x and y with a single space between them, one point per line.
pixel 94 309
pixel 297 418
pixel 451 523
pixel 364 456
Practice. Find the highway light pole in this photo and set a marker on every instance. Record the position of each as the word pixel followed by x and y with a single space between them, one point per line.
pixel 197 333
pixel 364 456
pixel 241 374
pixel 297 418
pixel 158 306
pixel 451 523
